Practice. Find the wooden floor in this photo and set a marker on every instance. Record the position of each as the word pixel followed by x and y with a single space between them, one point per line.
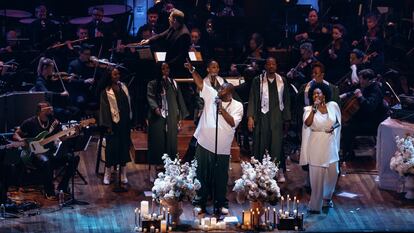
pixel 371 210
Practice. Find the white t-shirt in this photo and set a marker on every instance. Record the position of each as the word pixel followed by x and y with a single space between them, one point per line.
pixel 206 129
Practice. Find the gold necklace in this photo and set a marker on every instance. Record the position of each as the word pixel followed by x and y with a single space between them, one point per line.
pixel 41 124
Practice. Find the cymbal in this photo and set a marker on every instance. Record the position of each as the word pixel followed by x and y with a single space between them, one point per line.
pixel 15 13
pixel 112 9
pixel 88 19
pixel 31 20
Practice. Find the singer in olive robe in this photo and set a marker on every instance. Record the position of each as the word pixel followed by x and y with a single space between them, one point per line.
pixel 167 108
pixel 268 127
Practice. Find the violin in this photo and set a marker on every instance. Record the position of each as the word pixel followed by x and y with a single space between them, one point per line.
pixel 297 70
pixel 65 76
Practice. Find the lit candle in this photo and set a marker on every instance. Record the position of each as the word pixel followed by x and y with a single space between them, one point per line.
pixel 144 208
pixel 168 216
pixel 274 216
pixel 287 201
pixel 242 217
pixel 295 212
pixel 265 215
pixel 297 207
pixel 253 219
pixel 163 212
pixel 251 216
pixel 163 226
pixel 281 200
pixel 213 221
pixel 136 217
pixel 169 229
pixel 152 206
pixel 247 217
pixel 286 214
pixel 258 219
pixel 294 202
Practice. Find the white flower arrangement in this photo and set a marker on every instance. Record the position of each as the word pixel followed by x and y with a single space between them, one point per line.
pixel 257 182
pixel 178 183
pixel 403 159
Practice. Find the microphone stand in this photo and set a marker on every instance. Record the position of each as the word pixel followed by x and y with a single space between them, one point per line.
pixel 215 160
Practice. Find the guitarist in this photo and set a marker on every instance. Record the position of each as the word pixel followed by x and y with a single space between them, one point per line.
pixel 47 162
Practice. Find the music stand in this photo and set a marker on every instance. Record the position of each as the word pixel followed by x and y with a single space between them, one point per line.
pixel 145 53
pixel 79 143
pixel 195 56
pixel 160 56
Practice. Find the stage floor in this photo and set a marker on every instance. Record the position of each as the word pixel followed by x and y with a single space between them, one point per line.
pixel 371 210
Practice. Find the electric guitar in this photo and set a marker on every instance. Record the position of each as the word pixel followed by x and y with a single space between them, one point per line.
pixel 36 145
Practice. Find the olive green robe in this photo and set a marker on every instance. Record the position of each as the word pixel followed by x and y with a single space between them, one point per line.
pixel 162 132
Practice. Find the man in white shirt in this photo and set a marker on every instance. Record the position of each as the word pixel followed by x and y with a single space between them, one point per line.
pixel 213 155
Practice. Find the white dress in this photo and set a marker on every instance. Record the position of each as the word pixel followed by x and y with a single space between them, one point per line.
pixel 318 147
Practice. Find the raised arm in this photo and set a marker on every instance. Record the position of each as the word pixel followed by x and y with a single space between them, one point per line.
pixel 196 76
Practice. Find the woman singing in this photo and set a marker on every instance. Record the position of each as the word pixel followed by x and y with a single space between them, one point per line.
pixel 115 115
pixel 320 145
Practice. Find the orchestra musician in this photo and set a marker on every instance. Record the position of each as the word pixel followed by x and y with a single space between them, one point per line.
pixel 367 113
pixel 336 57
pixel 372 43
pixel 84 69
pixel 43 31
pixel 313 32
pixel 303 71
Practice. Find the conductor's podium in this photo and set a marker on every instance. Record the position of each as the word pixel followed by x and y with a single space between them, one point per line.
pixel 140 143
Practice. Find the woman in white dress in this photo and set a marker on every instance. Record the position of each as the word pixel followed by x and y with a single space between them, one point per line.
pixel 320 145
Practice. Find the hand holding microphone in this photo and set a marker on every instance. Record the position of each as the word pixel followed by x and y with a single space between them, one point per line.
pixel 316 104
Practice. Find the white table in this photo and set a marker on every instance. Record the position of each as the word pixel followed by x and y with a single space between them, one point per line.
pixel 386 146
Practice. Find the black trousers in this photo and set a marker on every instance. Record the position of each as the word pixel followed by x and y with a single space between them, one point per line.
pixel 47 163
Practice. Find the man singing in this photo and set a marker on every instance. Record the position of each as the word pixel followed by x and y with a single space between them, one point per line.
pixel 213 154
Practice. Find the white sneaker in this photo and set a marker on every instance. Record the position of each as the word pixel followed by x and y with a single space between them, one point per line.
pixel 107 176
pixel 281 178
pixel 124 178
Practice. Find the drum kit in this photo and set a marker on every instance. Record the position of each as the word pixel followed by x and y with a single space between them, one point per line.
pixel 26 18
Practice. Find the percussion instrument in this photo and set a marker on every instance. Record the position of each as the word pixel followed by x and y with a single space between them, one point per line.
pixel 112 9
pixel 88 19
pixel 14 13
pixel 31 20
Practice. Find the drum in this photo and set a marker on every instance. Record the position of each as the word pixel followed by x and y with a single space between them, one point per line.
pixel 88 19
pixel 15 13
pixel 112 9
pixel 31 20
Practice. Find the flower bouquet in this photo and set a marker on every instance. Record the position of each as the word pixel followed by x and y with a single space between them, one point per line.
pixel 403 159
pixel 177 184
pixel 257 182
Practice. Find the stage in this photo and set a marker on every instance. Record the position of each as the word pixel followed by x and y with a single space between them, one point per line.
pixel 371 210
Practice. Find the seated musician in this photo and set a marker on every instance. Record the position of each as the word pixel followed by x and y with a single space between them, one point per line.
pixel 84 70
pixel 55 90
pixel 372 111
pixel 47 162
pixel 303 71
